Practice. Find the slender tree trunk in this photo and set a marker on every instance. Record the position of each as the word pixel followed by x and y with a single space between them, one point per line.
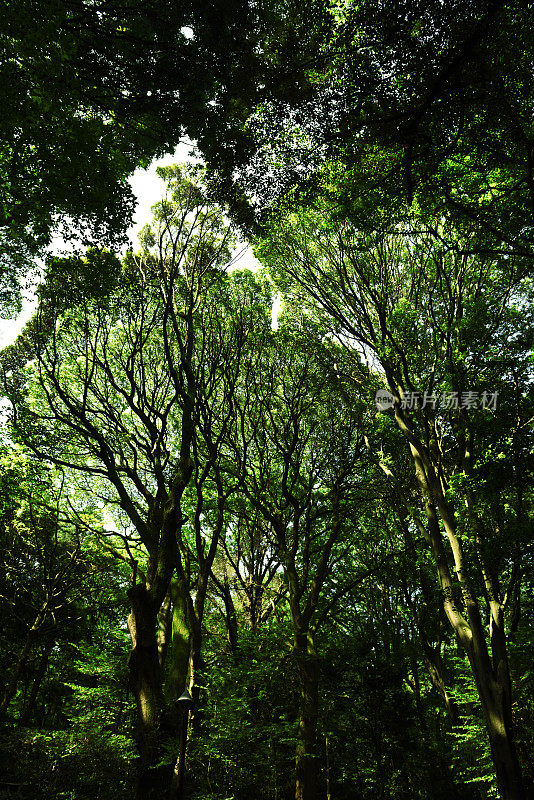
pixel 417 692
pixel 177 780
pixel 432 658
pixel 492 679
pixel 495 697
pixel 196 666
pixel 434 665
pixel 230 615
pixel 187 663
pixel 306 752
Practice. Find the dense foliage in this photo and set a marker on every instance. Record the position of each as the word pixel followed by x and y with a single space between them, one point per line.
pixel 285 513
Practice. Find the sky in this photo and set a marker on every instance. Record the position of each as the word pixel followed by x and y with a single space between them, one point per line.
pixel 148 189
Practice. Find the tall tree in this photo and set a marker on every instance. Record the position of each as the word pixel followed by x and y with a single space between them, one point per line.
pixel 299 452
pixel 114 395
pixel 444 331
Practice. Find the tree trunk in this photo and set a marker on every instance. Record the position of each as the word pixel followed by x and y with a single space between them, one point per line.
pixel 146 599
pixel 432 658
pixel 306 752
pixel 164 629
pixel 179 646
pixel 145 681
pixel 177 780
pixel 492 679
pixel 434 664
pixel 196 666
pixel 495 697
pixel 417 692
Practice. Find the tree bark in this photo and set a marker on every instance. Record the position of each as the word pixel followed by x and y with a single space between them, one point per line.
pixel 177 780
pixel 431 653
pixel 491 675
pixel 179 646
pixel 164 629
pixel 196 666
pixel 145 681
pixel 306 751
pixel 496 704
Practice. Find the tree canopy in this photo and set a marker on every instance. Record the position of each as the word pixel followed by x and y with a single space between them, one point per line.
pixel 268 533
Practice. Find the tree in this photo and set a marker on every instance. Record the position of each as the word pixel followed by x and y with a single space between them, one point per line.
pixel 92 90
pixel 425 102
pixel 249 567
pixel 299 454
pixel 114 395
pixel 238 312
pixel 64 726
pixel 424 317
pixel 45 573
